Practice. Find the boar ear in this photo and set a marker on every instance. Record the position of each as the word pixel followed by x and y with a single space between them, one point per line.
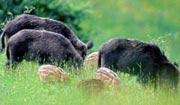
pixel 176 64
pixel 89 45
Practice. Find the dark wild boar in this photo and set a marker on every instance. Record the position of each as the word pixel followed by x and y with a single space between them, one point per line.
pixel 138 58
pixel 41 45
pixel 26 21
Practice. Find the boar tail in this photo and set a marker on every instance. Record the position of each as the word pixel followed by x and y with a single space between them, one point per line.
pixel 2 46
pixel 99 59
pixel 7 52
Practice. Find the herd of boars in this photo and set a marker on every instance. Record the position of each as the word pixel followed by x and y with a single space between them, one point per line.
pixel 26 21
pixel 46 40
pixel 40 38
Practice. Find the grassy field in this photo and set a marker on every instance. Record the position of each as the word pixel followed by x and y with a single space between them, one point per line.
pixel 152 21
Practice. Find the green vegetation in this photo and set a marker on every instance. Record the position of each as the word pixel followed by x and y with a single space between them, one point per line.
pixel 22 86
pixel 152 21
pixel 66 11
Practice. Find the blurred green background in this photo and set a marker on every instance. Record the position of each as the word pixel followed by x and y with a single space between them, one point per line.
pixel 152 21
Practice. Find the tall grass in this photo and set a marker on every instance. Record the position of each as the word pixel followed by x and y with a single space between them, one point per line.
pixel 22 86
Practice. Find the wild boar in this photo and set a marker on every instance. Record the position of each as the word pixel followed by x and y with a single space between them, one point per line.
pixel 145 60
pixel 91 59
pixel 26 21
pixel 109 78
pixel 43 46
pixel 51 73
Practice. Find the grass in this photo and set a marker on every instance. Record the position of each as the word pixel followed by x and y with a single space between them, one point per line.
pixel 22 86
pixel 152 21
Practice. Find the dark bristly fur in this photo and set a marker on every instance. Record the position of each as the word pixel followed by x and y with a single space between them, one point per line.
pixel 41 45
pixel 26 21
pixel 137 58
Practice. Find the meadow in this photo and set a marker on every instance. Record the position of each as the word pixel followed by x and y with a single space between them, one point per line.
pixel 151 21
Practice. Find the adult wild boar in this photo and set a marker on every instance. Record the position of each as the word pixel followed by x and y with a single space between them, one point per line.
pixel 138 58
pixel 26 21
pixel 43 46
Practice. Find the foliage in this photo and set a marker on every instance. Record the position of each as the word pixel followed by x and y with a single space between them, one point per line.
pixel 61 10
